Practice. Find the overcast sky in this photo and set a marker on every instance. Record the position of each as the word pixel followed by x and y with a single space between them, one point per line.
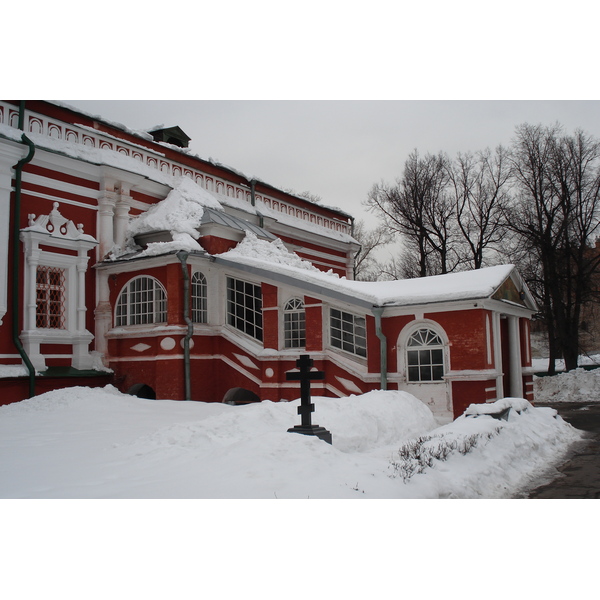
pixel 339 149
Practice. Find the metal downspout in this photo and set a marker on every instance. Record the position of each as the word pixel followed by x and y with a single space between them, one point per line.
pixel 377 312
pixel 182 256
pixel 15 266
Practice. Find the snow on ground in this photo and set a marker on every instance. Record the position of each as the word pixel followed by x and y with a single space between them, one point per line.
pixel 574 386
pixel 100 443
pixel 540 365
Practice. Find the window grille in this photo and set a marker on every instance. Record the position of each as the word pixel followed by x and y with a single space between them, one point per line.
pixel 294 324
pixel 142 301
pixel 348 332
pixel 50 298
pixel 244 307
pixel 425 356
pixel 199 293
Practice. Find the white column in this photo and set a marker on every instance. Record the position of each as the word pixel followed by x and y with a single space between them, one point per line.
pixel 106 211
pixel 81 307
pixel 30 299
pixel 121 219
pixel 497 333
pixel 102 315
pixel 516 371
pixel 9 156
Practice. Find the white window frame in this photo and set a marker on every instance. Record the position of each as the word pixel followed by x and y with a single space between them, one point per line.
pixel 199 298
pixel 57 232
pixel 420 358
pixel 151 311
pixel 49 290
pixel 353 337
pixel 294 324
pixel 402 350
pixel 240 305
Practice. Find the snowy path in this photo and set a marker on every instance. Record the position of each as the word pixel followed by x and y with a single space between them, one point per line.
pixel 579 477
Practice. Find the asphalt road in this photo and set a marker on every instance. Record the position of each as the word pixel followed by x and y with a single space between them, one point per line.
pixel 579 476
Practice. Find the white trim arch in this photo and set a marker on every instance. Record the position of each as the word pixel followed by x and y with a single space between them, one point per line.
pixel 199 298
pixel 141 301
pixel 294 323
pixel 407 332
pixel 436 393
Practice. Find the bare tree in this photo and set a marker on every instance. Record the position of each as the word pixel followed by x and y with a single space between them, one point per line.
pixel 418 208
pixel 366 265
pixel 479 185
pixel 555 215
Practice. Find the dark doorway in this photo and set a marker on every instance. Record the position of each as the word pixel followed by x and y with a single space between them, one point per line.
pixel 237 396
pixel 141 390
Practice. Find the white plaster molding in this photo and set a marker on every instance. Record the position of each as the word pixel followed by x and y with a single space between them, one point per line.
pixel 10 154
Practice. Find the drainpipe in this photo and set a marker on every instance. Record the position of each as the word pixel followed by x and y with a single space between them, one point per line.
pixel 182 256
pixel 15 266
pixel 377 312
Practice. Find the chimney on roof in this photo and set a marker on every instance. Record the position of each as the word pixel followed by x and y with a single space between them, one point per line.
pixel 171 135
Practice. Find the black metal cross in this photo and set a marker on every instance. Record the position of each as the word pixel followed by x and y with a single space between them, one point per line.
pixel 305 376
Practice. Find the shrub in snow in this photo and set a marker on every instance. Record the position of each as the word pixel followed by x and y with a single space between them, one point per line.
pixel 415 456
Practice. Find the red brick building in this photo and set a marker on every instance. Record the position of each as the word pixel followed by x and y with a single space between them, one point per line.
pixel 126 259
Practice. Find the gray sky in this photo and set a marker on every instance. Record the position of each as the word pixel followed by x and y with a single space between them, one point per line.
pixel 339 149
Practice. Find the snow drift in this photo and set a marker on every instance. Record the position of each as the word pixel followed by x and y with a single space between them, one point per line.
pixel 100 443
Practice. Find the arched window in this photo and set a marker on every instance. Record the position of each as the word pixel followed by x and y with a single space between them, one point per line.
pixel 425 356
pixel 142 301
pixel 199 293
pixel 294 324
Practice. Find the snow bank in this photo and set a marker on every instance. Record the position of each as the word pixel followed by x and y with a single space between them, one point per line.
pixel 574 386
pixel 484 457
pixel 99 443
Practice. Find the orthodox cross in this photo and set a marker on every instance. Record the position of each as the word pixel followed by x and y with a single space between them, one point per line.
pixel 305 376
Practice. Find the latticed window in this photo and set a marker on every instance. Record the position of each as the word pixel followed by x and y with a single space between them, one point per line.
pixel 199 293
pixel 348 332
pixel 142 301
pixel 50 298
pixel 425 356
pixel 244 307
pixel 294 324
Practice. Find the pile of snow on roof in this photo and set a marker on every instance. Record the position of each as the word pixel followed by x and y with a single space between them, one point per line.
pixel 180 213
pixel 268 253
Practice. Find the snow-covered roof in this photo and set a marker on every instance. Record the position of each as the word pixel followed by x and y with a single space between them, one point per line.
pixel 222 218
pixel 147 135
pixel 275 259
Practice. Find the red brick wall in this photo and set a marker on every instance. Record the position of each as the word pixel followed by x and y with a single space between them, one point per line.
pixel 314 324
pixel 466 331
pixel 270 317
pixel 468 392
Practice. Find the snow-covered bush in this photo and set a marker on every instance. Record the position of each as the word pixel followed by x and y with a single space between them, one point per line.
pixel 415 456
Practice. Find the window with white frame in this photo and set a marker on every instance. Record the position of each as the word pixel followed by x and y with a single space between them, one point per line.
pixel 425 356
pixel 348 332
pixel 199 295
pixel 294 324
pixel 54 306
pixel 244 307
pixel 142 301
pixel 50 298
